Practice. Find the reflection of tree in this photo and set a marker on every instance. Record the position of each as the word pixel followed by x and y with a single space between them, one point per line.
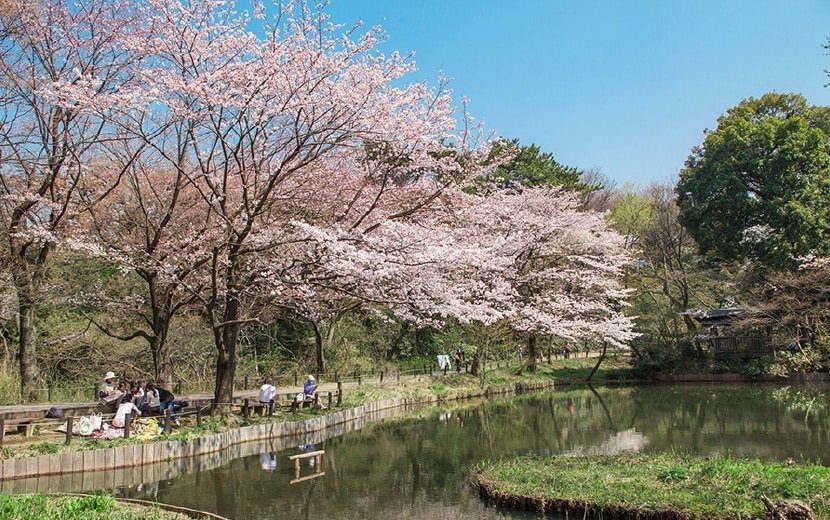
pixel 604 408
pixel 410 467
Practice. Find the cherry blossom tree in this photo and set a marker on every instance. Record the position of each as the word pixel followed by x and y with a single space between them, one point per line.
pixel 277 123
pixel 152 224
pixel 48 135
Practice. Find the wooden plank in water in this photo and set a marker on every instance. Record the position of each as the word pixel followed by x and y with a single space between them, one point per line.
pixel 306 455
pixel 307 477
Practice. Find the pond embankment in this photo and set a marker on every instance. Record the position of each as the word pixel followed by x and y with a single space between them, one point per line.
pixel 101 459
pixel 667 486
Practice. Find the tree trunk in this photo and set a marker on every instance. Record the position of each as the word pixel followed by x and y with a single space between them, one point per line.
pixel 599 361
pixel 164 365
pixel 226 337
pixel 532 352
pixel 161 300
pixel 476 365
pixel 27 348
pixel 320 348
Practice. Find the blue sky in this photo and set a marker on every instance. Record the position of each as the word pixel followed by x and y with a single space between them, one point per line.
pixel 624 86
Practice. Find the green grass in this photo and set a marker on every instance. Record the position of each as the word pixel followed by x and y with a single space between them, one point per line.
pixel 699 487
pixel 41 507
pixel 577 369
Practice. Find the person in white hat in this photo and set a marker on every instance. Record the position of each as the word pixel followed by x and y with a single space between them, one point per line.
pixel 109 391
pixel 310 391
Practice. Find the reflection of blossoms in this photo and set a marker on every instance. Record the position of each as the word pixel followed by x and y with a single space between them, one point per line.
pixel 628 441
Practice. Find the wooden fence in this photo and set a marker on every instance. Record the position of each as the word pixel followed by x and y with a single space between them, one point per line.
pixel 742 347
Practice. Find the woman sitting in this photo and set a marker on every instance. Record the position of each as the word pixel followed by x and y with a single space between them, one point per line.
pixel 126 407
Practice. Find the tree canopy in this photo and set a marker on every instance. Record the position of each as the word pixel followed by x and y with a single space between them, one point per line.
pixel 758 188
pixel 530 167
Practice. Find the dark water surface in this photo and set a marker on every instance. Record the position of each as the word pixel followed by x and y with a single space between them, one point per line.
pixel 420 467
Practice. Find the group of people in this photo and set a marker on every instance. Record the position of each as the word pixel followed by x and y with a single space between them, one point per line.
pixel 131 397
pixel 267 392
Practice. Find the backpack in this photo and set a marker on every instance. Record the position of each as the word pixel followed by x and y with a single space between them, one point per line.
pixel 55 413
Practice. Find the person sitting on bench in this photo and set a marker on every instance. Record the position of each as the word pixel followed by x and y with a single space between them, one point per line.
pixel 267 391
pixel 166 401
pixel 310 391
pixel 108 392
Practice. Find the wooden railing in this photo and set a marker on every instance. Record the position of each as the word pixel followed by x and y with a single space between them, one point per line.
pixel 742 346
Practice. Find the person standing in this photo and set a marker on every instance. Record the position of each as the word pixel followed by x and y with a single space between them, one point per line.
pixel 568 349
pixel 458 358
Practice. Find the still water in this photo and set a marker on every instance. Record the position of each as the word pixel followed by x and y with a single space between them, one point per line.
pixel 419 467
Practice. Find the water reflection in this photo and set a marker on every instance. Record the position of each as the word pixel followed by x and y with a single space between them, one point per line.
pixel 419 468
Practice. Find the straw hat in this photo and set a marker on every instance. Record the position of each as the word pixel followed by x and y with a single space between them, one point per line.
pixel 310 377
pixel 109 375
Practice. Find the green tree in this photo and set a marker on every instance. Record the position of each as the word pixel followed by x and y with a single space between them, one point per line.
pixel 531 167
pixel 759 186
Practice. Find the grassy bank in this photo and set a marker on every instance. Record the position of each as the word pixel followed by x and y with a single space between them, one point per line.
pixel 41 507
pixel 449 387
pixel 659 486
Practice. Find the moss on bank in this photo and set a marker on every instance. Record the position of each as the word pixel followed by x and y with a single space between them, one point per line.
pixel 657 486
pixel 41 507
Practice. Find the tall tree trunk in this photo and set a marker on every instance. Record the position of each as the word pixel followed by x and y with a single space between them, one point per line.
pixel 162 361
pixel 532 352
pixel 161 300
pixel 226 337
pixel 319 348
pixel 27 347
pixel 478 358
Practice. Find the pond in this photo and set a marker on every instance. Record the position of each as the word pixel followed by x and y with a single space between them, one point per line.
pixel 419 467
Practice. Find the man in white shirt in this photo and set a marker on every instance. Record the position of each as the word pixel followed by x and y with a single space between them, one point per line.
pixel 267 391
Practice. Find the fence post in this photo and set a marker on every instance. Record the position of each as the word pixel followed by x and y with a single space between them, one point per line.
pixel 381 376
pixel 295 378
pixel 246 383
pixel 167 421
pixel 336 376
pixel 466 367
pixel 68 431
pixel 179 387
pixel 425 370
pixel 294 406
pixel 94 392
pixel 355 373
pixel 339 393
pixel 359 382
pixel 49 391
pixel 128 419
pixel 245 408
pixel 430 370
pixel 2 431
pixel 329 399
pixel 198 416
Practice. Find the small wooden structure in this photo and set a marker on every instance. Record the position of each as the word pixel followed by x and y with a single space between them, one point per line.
pixel 318 465
pixel 731 345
